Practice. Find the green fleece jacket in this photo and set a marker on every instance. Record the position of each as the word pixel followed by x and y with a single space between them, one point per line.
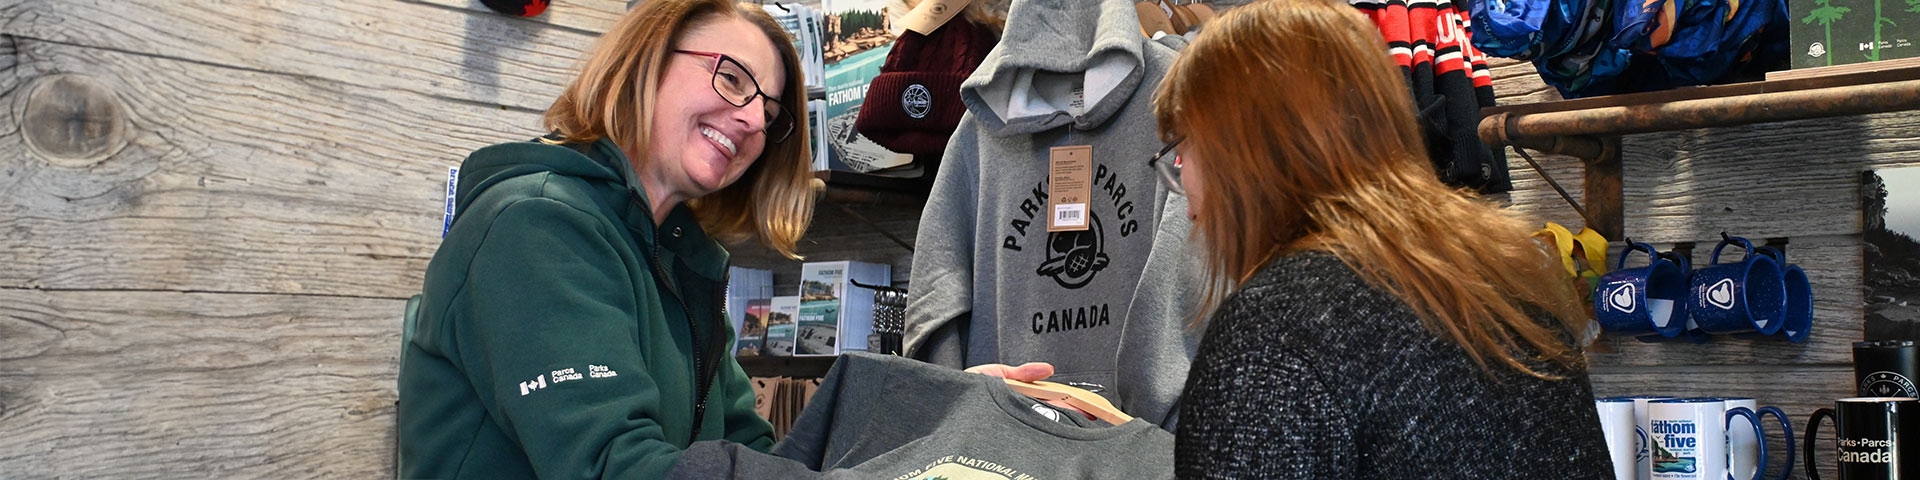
pixel 561 334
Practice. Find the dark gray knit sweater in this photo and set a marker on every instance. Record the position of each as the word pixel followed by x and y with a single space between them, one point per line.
pixel 1307 372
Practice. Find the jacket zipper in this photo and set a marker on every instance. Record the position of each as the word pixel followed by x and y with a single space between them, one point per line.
pixel 701 381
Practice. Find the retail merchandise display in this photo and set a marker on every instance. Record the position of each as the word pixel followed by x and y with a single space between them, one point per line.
pixel 1886 368
pixel 1877 435
pixel 878 416
pixel 854 40
pixel 781 329
pixel 1692 438
pixel 1876 438
pixel 803 24
pixel 1758 296
pixel 1450 84
pixel 1603 47
pixel 835 317
pixel 1106 305
pixel 749 293
pixel 1656 437
pixel 889 319
pixel 914 104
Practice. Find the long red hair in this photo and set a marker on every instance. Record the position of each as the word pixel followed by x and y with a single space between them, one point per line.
pixel 1305 136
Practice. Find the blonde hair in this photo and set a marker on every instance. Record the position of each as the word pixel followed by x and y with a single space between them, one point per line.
pixel 773 200
pixel 1335 162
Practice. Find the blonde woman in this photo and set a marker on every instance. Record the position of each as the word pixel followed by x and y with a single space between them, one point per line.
pixel 570 324
pixel 1366 320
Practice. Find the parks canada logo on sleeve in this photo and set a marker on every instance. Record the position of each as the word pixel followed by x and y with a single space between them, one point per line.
pixel 564 375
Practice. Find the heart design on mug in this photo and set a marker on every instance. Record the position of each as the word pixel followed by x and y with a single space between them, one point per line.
pixel 1622 298
pixel 1721 294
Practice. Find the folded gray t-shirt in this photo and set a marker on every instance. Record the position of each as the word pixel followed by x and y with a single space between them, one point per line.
pixel 886 417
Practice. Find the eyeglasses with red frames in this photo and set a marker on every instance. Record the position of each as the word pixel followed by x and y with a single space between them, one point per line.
pixel 737 86
pixel 1169 170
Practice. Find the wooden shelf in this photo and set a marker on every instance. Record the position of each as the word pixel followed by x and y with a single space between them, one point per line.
pixel 864 188
pixel 1590 128
pixel 802 367
pixel 1789 83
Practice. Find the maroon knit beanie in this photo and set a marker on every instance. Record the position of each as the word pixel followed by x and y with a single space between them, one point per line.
pixel 914 105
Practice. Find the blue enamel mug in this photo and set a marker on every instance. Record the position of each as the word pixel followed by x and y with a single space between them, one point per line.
pixel 1797 320
pixel 1691 332
pixel 1649 300
pixel 1738 297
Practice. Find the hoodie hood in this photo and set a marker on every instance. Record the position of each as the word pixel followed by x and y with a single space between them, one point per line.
pixel 594 162
pixel 1053 68
pixel 599 162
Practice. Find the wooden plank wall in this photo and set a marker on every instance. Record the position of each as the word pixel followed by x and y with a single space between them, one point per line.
pixel 1799 180
pixel 221 296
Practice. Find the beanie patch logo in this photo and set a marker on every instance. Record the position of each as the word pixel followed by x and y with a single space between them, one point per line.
pixel 916 100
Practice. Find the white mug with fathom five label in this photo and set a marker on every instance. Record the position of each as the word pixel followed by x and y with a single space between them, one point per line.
pixel 1688 438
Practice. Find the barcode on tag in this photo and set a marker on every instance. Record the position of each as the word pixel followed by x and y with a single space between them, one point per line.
pixel 1070 215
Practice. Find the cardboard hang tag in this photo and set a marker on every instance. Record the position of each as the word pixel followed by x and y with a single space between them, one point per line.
pixel 929 15
pixel 1070 187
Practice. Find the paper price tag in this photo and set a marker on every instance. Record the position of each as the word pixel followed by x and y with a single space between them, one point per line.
pixel 931 14
pixel 1070 180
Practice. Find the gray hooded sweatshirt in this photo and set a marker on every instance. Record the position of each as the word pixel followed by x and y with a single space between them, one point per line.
pixel 1106 306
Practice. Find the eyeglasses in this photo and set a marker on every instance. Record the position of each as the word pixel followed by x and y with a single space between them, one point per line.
pixel 1169 169
pixel 736 85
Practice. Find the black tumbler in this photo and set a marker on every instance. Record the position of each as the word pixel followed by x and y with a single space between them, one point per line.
pixel 1876 438
pixel 1886 368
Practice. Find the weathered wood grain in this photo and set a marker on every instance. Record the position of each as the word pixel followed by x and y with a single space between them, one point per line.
pixel 1834 268
pixel 1532 197
pixel 1798 390
pixel 1766 180
pixel 174 385
pixel 431 50
pixel 1515 82
pixel 1774 179
pixel 237 181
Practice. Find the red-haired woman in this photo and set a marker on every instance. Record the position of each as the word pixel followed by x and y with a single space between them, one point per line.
pixel 1367 321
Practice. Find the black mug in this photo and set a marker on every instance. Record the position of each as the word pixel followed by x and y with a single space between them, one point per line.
pixel 1877 438
pixel 1886 368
